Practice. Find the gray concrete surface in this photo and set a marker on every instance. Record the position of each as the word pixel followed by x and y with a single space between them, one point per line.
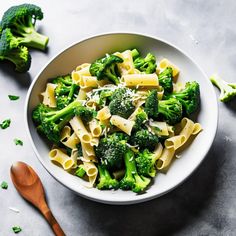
pixel 205 204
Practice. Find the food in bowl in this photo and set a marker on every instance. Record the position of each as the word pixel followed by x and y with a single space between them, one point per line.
pixel 118 121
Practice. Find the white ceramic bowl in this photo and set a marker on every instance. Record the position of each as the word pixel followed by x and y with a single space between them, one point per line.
pixel 87 51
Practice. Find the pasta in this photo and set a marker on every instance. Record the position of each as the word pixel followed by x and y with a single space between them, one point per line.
pixel 118 121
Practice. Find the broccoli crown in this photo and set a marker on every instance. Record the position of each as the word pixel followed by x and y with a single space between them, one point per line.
pixel 189 97
pixel 132 180
pixel 111 149
pixel 140 118
pixel 170 110
pixel 227 90
pixel 147 64
pixel 106 68
pixel 144 139
pixel 21 20
pixel 105 180
pixel 9 50
pixel 86 114
pixel 151 104
pixel 145 162
pixel 121 103
pixel 166 80
pixel 65 80
pixel 50 122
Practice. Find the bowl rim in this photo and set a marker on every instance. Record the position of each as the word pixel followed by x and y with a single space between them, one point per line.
pixel 127 201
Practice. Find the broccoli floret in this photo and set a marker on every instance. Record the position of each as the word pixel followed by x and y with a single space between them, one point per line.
pixel 105 180
pixel 132 180
pixel 166 80
pixel 80 172
pixel 189 97
pixel 21 20
pixel 79 148
pixel 106 68
pixel 86 114
pixel 50 122
pixel 65 80
pixel 121 103
pixel 11 51
pixel 227 90
pixel 111 149
pixel 151 104
pixel 105 96
pixel 145 162
pixel 171 110
pixel 144 139
pixel 140 119
pixel 147 64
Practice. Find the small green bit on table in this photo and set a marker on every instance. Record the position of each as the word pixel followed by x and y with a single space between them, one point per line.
pixel 13 97
pixel 16 229
pixel 5 124
pixel 18 142
pixel 4 185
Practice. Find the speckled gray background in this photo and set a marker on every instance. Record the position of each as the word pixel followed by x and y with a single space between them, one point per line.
pixel 206 203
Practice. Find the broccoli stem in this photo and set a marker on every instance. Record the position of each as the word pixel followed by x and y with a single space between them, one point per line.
pixel 135 53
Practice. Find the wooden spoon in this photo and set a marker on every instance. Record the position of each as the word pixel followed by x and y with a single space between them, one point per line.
pixel 30 187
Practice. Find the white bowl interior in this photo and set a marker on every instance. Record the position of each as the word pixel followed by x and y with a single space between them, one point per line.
pixel 95 47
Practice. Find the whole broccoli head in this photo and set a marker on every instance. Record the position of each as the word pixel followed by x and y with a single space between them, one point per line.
pixel 151 104
pixel 106 68
pixel 105 180
pixel 11 51
pixel 166 80
pixel 110 150
pixel 227 90
pixel 121 103
pixel 50 122
pixel 145 162
pixel 21 20
pixel 140 119
pixel 147 64
pixel 171 110
pixel 144 139
pixel 189 97
pixel 132 180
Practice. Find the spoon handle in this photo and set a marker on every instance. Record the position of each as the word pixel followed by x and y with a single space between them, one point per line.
pixel 52 221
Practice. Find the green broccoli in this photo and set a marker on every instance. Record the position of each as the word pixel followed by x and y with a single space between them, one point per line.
pixel 111 149
pixel 189 97
pixel 105 180
pixel 227 90
pixel 106 68
pixel 144 139
pixel 11 51
pixel 171 110
pixel 121 103
pixel 135 53
pixel 166 80
pixel 147 64
pixel 86 114
pixel 151 104
pixel 145 162
pixel 65 80
pixel 132 180
pixel 80 172
pixel 50 122
pixel 21 20
pixel 140 119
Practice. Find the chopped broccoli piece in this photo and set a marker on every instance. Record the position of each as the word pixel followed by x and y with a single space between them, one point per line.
pixel 79 148
pixel 13 97
pixel 132 180
pixel 4 185
pixel 50 122
pixel 5 124
pixel 151 104
pixel 86 114
pixel 140 118
pixel 227 90
pixel 21 20
pixel 105 180
pixel 80 172
pixel 135 53
pixel 166 80
pixel 121 103
pixel 145 162
pixel 18 142
pixel 147 64
pixel 144 139
pixel 16 229
pixel 111 149
pixel 171 110
pixel 189 97
pixel 11 51
pixel 106 68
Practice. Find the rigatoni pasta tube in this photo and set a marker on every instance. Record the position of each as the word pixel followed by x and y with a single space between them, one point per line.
pixel 134 80
pixel 165 158
pixel 95 128
pixel 49 95
pixel 175 142
pixel 57 155
pixel 88 82
pixel 104 113
pixel 91 171
pixel 164 63
pixel 80 130
pixel 77 74
pixel 122 123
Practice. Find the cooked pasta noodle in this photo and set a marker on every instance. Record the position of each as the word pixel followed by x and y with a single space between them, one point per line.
pixel 133 80
pixel 122 123
pixel 49 96
pixel 165 159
